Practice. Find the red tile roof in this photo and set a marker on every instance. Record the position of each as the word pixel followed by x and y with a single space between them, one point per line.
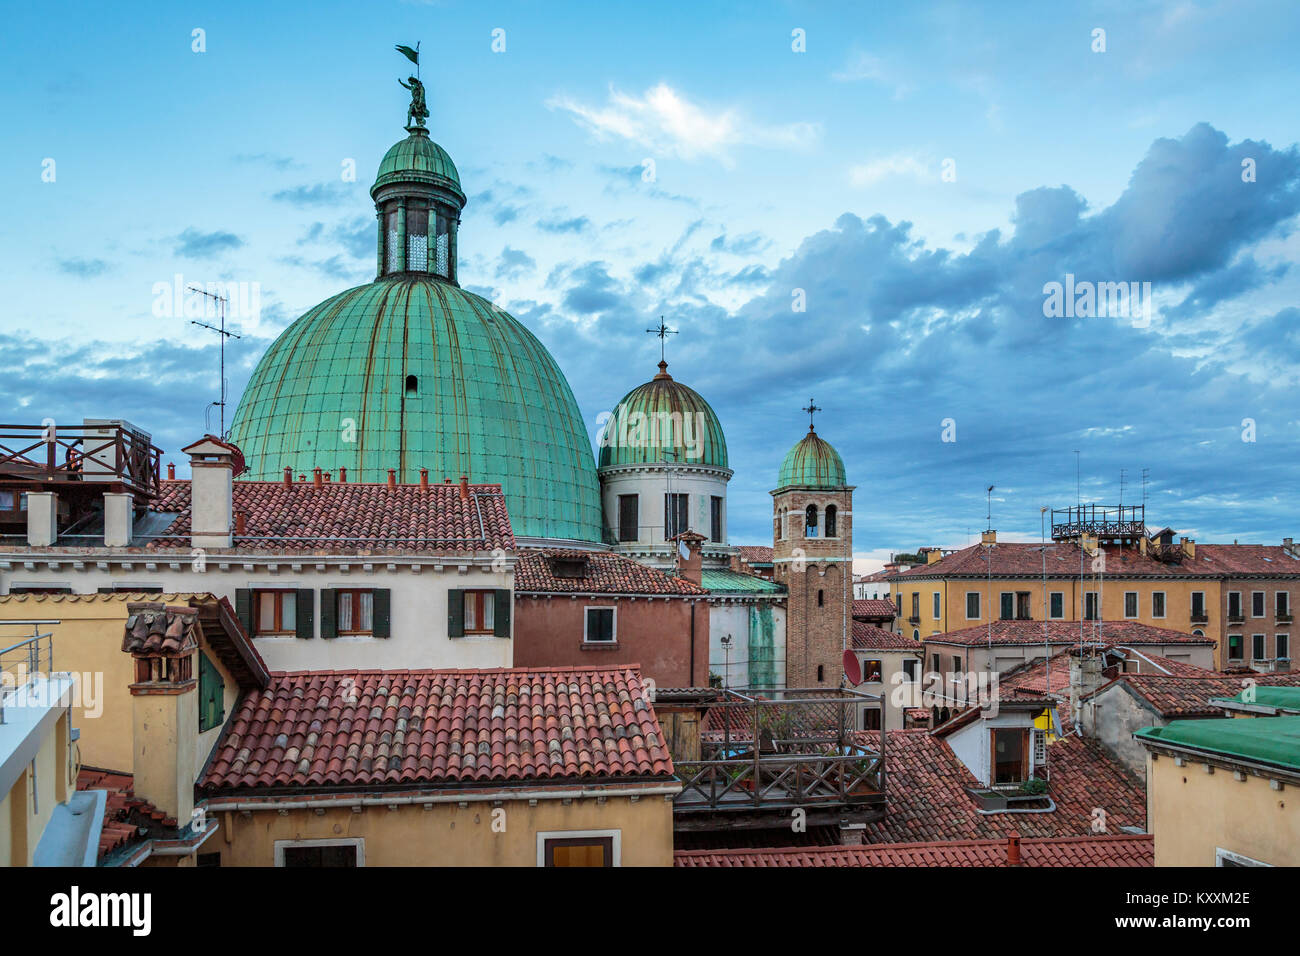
pixel 124 812
pixel 1118 850
pixel 1173 697
pixel 1067 632
pixel 882 610
pixel 928 800
pixel 152 628
pixel 603 573
pixel 351 517
pixel 1025 559
pixel 1247 559
pixel 869 637
pixel 755 553
pixel 341 729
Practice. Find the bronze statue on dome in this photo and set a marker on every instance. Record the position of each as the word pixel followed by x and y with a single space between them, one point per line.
pixel 417 112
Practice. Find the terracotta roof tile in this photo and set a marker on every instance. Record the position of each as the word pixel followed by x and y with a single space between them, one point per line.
pixel 874 609
pixel 1119 850
pixel 335 729
pixel 1025 559
pixel 601 572
pixel 124 812
pixel 155 628
pixel 1067 632
pixel 1181 696
pixel 869 637
pixel 1248 559
pixel 755 553
pixel 351 517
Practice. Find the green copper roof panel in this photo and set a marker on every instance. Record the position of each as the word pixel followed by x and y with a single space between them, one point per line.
pixel 663 420
pixel 812 463
pixel 489 402
pixel 1272 740
pixel 732 582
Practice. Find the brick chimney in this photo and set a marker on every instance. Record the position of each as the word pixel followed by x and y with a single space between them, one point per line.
pixel 689 566
pixel 392 477
pixel 213 465
pixel 988 537
pixel 1189 548
pixel 464 488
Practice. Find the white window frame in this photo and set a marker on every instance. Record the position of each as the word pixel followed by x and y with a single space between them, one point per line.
pixel 616 846
pixel 1137 606
pixel 1241 608
pixel 1012 595
pixel 1263 603
pixel 1096 601
pixel 1050 615
pixel 1220 855
pixel 613 630
pixel 911 678
pixel 1281 594
pixel 358 842
pixel 978 606
pixel 1263 641
pixel 1164 605
pixel 938 605
pixel 1191 603
pixel 1282 636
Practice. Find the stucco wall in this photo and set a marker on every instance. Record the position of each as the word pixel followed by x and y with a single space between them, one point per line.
pixel 447 835
pixel 757 632
pixel 1192 813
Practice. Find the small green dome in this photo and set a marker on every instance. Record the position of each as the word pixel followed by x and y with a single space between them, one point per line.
pixel 812 463
pixel 412 372
pixel 663 420
pixel 417 159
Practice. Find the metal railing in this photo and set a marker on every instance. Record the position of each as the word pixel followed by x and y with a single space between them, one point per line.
pixel 106 452
pixel 21 661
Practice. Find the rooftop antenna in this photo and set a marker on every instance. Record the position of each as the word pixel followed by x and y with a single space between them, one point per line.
pixel 1078 483
pixel 222 334
pixel 1122 473
pixel 663 332
pixel 1146 472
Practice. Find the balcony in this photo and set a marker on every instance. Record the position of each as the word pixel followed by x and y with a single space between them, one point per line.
pixel 1200 617
pixel 1283 617
pixel 1234 617
pixel 76 456
pixel 760 757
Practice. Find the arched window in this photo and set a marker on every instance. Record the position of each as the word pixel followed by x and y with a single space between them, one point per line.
pixel 1198 633
pixel 916 634
pixel 821 598
pixel 830 521
pixel 943 716
pixel 780 523
pixel 810 523
pixel 412 385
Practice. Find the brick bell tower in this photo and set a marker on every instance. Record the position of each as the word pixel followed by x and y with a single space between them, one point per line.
pixel 812 554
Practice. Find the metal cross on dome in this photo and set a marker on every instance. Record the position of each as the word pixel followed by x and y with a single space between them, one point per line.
pixel 812 408
pixel 663 332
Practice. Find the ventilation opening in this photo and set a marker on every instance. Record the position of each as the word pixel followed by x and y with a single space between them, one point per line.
pixel 412 385
pixel 820 598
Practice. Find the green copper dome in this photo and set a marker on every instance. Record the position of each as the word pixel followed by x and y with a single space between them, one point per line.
pixel 413 372
pixel 812 463
pixel 663 420
pixel 417 159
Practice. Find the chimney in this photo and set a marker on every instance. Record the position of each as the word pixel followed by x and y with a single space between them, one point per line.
pixel 162 641
pixel 288 477
pixel 1189 548
pixel 213 466
pixel 316 477
pixel 1143 543
pixel 240 523
pixel 988 537
pixel 933 556
pixel 689 566
pixel 424 477
pixel 171 471
pixel 42 518
pixel 464 488
pixel 392 477
pixel 343 474
pixel 119 519
pixel 1013 849
pixel 1085 677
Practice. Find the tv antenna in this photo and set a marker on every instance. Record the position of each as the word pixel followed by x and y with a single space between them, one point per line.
pixel 222 335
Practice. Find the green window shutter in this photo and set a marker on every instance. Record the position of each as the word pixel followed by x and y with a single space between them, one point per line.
pixel 244 608
pixel 305 613
pixel 455 613
pixel 329 613
pixel 212 708
pixel 501 618
pixel 381 612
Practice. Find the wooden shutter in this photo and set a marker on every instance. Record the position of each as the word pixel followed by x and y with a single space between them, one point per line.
pixel 455 612
pixel 244 608
pixel 305 613
pixel 381 611
pixel 212 709
pixel 501 620
pixel 329 613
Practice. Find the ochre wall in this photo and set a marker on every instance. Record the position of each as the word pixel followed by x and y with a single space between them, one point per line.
pixel 653 633
pixel 447 835
pixel 1192 813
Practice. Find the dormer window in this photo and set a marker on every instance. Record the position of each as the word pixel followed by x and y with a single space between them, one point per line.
pixel 568 566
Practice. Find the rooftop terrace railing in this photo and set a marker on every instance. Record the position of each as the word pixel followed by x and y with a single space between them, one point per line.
pixel 21 661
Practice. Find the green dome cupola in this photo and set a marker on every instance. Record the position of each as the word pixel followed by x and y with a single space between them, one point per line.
pixel 412 372
pixel 812 463
pixel 663 421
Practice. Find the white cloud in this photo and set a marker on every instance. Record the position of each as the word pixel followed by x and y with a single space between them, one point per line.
pixel 865 67
pixel 900 164
pixel 666 122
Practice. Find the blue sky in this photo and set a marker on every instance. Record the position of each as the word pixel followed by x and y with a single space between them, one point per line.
pixel 775 170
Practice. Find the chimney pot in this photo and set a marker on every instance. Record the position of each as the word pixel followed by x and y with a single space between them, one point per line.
pixel 343 474
pixel 301 477
pixel 464 488
pixel 327 477
pixel 288 477
pixel 239 522
pixel 171 471
pixel 392 477
pixel 424 477
pixel 1013 849
pixel 316 477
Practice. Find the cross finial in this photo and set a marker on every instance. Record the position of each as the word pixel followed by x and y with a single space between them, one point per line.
pixel 663 332
pixel 812 409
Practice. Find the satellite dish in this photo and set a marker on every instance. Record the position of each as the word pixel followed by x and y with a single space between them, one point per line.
pixel 852 669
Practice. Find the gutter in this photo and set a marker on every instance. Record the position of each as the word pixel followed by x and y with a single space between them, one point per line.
pixel 222 803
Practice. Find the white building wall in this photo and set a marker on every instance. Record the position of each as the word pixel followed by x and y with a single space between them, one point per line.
pixel 741 620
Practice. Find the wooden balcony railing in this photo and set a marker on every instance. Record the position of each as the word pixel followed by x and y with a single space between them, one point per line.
pixel 107 452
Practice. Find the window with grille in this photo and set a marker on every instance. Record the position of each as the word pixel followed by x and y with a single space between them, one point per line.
pixel 676 514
